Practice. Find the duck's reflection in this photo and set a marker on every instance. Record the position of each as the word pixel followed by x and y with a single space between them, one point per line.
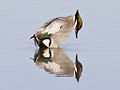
pixel 57 62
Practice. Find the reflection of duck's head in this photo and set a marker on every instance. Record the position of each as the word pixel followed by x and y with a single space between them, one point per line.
pixel 78 69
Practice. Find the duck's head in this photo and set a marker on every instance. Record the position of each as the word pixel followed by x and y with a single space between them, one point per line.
pixel 78 23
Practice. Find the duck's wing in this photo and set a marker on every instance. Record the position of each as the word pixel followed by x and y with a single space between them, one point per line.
pixel 49 22
pixel 50 27
pixel 53 25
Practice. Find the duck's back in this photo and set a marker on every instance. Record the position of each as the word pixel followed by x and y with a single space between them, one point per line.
pixel 64 32
pixel 58 29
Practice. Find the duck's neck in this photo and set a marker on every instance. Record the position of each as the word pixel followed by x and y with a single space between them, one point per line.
pixel 75 22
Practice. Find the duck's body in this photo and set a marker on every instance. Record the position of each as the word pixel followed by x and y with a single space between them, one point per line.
pixel 55 31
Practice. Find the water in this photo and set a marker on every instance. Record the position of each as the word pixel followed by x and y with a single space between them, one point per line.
pixel 98 44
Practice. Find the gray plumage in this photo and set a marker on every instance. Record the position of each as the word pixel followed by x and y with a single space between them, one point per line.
pixel 56 30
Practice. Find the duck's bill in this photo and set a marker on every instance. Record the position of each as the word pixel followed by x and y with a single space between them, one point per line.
pixel 76 33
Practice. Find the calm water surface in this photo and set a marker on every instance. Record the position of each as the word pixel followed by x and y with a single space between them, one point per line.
pixel 97 47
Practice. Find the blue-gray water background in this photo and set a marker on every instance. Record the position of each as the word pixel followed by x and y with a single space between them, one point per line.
pixel 98 45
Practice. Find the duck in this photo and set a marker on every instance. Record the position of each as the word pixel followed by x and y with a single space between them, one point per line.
pixel 55 31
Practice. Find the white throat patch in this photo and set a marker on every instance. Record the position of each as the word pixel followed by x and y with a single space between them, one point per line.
pixel 75 24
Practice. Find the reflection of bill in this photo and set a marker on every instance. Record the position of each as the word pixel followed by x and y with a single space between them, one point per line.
pixel 55 61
